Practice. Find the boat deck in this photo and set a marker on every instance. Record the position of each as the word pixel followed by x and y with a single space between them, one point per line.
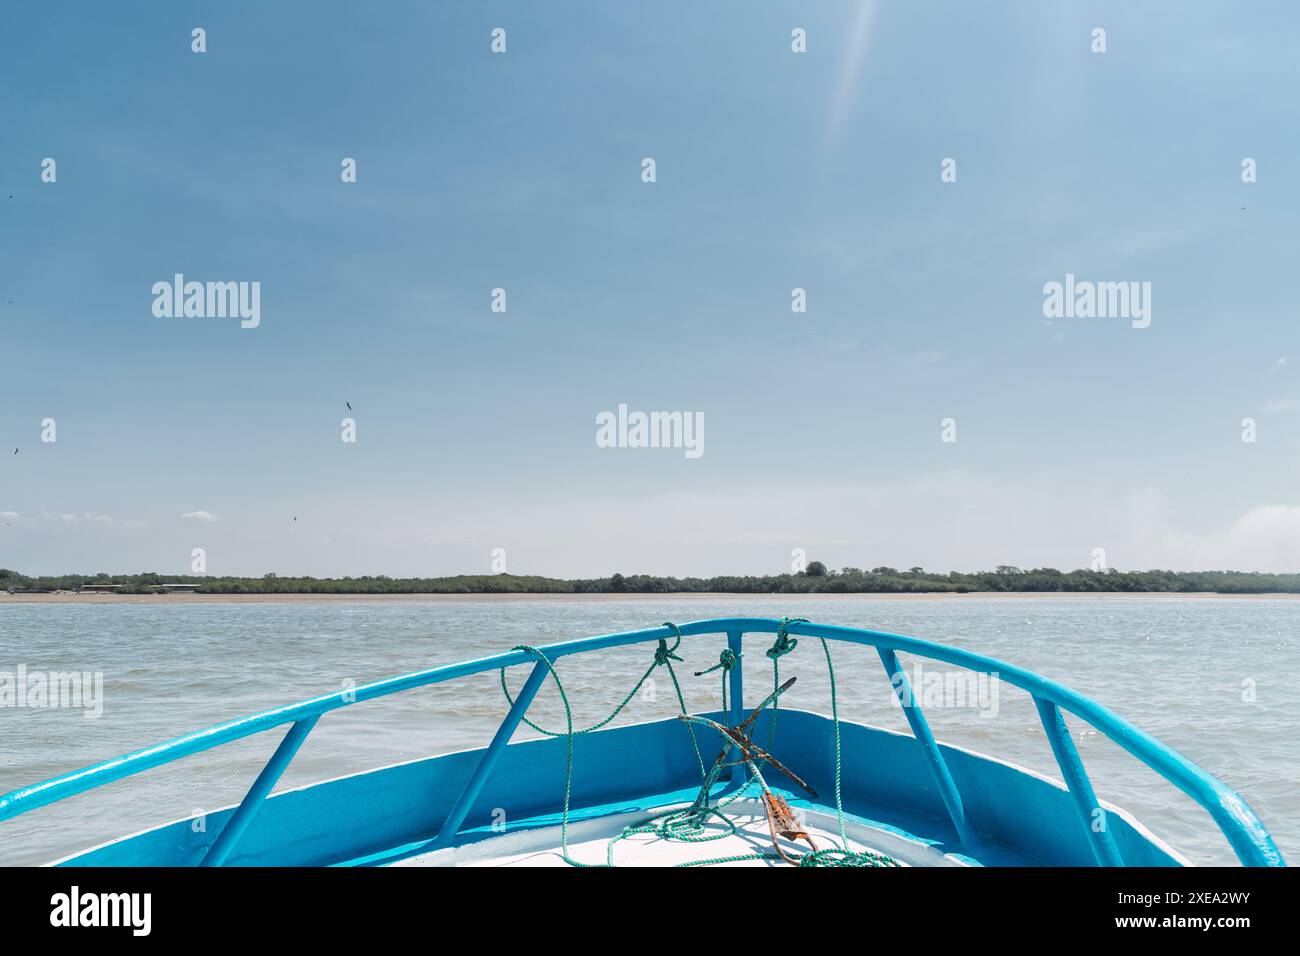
pixel 589 843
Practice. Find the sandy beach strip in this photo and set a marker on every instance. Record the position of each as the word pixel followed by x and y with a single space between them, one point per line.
pixel 679 597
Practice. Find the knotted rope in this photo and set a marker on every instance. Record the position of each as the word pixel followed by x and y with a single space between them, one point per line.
pixel 726 661
pixel 782 646
pixel 688 824
pixel 664 656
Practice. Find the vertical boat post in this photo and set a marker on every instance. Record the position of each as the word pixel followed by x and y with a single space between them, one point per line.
pixel 1076 779
pixel 474 785
pixel 737 693
pixel 933 755
pixel 239 820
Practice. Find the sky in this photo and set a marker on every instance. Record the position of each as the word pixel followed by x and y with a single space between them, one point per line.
pixel 774 170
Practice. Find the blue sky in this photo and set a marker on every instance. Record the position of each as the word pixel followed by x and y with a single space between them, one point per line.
pixel 775 170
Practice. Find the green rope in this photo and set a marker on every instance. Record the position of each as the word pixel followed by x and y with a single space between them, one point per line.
pixel 782 646
pixel 726 661
pixel 568 765
pixel 664 655
pixel 840 855
pixel 685 824
pixel 688 824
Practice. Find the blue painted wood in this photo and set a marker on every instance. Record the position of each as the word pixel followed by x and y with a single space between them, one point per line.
pixel 474 786
pixel 925 737
pixel 252 802
pixel 1076 778
pixel 736 691
pixel 1247 835
pixel 389 813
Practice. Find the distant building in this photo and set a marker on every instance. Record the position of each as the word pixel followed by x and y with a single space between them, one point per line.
pixel 178 588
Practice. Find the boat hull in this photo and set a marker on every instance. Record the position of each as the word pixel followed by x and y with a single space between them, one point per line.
pixel 394 813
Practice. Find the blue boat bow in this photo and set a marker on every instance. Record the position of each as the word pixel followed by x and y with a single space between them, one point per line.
pixel 966 804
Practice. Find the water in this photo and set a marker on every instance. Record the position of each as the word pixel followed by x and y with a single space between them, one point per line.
pixel 1177 667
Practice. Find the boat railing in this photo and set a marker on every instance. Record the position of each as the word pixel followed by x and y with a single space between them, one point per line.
pixel 1243 829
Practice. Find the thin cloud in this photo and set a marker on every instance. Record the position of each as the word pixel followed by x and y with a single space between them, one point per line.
pixel 85 519
pixel 855 56
pixel 198 516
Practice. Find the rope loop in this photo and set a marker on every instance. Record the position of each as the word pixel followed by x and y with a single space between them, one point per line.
pixel 726 660
pixel 784 645
pixel 785 623
pixel 664 653
pixel 534 652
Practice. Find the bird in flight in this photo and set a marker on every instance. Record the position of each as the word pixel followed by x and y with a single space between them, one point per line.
pixel 349 405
